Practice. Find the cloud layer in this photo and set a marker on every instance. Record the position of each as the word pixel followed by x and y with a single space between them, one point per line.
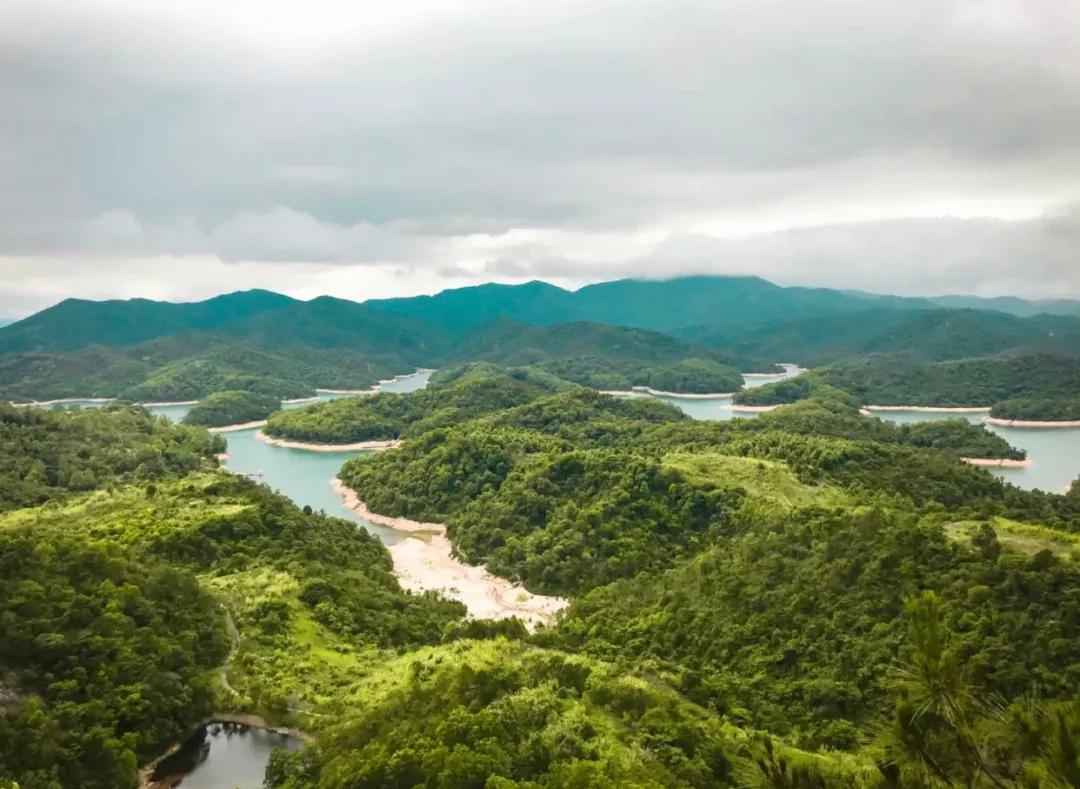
pixel 912 147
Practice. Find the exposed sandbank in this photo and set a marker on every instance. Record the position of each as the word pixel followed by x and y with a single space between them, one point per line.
pixel 312 399
pixel 931 409
pixel 997 462
pixel 165 403
pixel 371 391
pixel 682 395
pixel 755 409
pixel 993 420
pixel 429 564
pixel 241 426
pixel 61 401
pixel 356 447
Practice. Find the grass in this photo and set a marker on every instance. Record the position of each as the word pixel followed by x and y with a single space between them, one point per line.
pixel 767 482
pixel 1026 538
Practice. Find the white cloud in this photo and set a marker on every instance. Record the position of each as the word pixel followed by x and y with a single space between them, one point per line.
pixel 565 140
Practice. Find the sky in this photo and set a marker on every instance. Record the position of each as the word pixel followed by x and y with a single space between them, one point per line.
pixel 176 150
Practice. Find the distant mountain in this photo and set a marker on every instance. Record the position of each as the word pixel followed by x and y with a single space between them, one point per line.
pixel 922 335
pixel 77 323
pixel 254 340
pixel 511 343
pixel 139 346
pixel 1011 305
pixel 673 306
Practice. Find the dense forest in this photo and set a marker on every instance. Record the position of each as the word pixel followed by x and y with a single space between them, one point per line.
pixel 46 455
pixel 1048 409
pixel 231 408
pixel 811 598
pixel 451 397
pixel 607 336
pixel 116 603
pixel 1041 387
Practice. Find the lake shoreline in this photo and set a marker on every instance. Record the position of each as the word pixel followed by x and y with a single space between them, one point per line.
pixel 755 409
pixel 682 395
pixel 1032 423
pixel 240 426
pixel 428 564
pixel 252 721
pixel 358 446
pixel 997 462
pixel 930 409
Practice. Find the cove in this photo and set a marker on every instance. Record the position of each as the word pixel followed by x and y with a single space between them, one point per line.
pixel 1054 452
pixel 221 756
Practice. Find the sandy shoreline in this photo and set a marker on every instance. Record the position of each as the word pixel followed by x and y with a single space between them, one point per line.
pixel 930 409
pixel 754 409
pixel 371 391
pixel 429 565
pixel 997 462
pixel 241 426
pixel 293 401
pixel 166 403
pixel 993 420
pixel 358 446
pixel 682 395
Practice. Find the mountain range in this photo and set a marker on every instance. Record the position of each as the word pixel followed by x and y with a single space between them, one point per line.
pixel 162 350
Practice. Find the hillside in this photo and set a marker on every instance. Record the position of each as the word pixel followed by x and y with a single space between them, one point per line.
pixel 77 323
pixel 924 335
pixel 250 340
pixel 606 357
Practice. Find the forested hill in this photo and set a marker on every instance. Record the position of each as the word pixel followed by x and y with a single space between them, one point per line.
pixel 77 323
pixel 920 335
pixel 606 335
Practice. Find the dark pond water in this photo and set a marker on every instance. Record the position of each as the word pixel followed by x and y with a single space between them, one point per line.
pixel 224 756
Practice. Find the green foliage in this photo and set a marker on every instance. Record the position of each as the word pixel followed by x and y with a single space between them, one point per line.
pixel 1048 409
pixel 46 454
pixel 498 715
pixel 451 398
pixel 604 357
pixel 231 408
pixel 114 649
pixel 969 382
pixel 793 625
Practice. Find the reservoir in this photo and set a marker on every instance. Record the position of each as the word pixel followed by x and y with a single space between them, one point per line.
pixel 223 756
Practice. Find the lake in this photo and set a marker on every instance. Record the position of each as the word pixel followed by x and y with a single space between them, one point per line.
pixel 1054 452
pixel 224 756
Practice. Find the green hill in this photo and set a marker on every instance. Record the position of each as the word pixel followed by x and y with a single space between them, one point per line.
pixel 925 335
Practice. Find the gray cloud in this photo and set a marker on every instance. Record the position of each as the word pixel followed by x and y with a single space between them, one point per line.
pixel 423 136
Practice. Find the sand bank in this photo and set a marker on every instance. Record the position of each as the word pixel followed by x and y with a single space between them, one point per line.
pixel 357 447
pixel 61 401
pixel 993 420
pixel 371 391
pixel 930 409
pixel 241 426
pixel 682 395
pixel 997 462
pixel 313 399
pixel 754 409
pixel 429 565
pixel 166 403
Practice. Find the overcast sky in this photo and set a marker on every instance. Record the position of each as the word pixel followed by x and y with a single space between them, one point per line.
pixel 180 149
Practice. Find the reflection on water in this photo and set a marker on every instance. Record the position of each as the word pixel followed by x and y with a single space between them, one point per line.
pixel 223 756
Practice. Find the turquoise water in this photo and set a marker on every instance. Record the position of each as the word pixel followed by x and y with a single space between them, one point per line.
pixel 300 474
pixel 1054 453
pixel 719 408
